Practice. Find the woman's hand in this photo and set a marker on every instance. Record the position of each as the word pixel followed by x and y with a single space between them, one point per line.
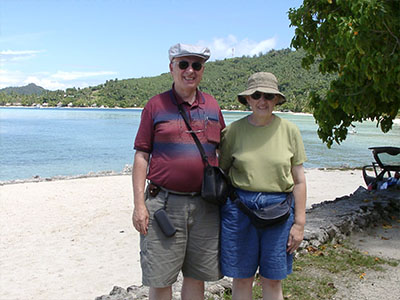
pixel 295 237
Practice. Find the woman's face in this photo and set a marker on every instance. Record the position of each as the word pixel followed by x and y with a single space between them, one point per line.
pixel 262 104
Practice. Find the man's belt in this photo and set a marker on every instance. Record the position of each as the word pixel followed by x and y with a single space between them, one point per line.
pixel 155 189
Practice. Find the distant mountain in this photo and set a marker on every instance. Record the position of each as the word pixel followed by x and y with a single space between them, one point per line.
pixel 30 89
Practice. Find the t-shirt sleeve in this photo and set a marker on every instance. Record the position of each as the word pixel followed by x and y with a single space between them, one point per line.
pixel 145 134
pixel 299 156
pixel 225 155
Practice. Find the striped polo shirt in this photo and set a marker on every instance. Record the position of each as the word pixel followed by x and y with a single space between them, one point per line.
pixel 175 161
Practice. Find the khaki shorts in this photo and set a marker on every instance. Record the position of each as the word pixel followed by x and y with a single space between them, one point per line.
pixel 194 248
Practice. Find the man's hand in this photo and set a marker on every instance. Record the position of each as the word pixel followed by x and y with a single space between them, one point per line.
pixel 140 219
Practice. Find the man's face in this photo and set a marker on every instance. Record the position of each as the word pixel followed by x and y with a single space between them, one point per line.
pixel 186 73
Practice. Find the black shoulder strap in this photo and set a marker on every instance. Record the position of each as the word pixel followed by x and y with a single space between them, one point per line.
pixel 185 118
pixel 196 139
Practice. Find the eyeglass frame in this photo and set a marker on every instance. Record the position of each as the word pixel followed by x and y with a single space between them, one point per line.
pixel 267 96
pixel 193 65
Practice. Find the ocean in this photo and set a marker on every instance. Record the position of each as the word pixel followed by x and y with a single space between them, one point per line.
pixel 49 142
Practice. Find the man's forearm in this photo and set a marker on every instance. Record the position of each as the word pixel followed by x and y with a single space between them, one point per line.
pixel 139 172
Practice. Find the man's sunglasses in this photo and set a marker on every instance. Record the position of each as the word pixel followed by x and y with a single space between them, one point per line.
pixel 267 96
pixel 183 65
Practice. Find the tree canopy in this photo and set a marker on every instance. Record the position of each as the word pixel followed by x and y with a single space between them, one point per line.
pixel 359 41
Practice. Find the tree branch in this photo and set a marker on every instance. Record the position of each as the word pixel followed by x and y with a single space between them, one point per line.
pixel 392 34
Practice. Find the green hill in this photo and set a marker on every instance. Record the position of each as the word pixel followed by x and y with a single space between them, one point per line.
pixel 30 89
pixel 223 79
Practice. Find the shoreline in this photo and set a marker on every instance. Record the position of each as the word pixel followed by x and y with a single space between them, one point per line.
pixel 67 107
pixel 322 183
pixel 396 121
pixel 129 108
pixel 127 170
pixel 64 177
pixel 334 181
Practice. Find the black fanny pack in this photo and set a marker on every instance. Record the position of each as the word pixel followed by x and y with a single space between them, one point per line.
pixel 271 215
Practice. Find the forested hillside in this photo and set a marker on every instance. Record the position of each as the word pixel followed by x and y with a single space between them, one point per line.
pixel 224 79
pixel 30 89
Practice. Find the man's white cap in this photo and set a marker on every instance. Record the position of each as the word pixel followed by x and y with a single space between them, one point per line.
pixel 180 50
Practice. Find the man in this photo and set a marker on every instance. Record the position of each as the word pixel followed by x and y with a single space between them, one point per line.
pixel 167 156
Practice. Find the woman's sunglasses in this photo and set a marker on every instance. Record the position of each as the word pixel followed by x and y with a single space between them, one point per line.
pixel 257 96
pixel 183 65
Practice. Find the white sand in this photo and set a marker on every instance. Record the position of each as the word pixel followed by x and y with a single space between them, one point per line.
pixel 330 184
pixel 73 239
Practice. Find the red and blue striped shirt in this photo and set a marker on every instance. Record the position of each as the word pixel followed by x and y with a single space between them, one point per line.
pixel 175 161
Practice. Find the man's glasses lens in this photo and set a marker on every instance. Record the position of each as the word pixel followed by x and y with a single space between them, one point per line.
pixel 183 65
pixel 267 96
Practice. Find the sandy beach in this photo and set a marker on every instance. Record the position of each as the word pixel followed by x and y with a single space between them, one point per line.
pixel 73 239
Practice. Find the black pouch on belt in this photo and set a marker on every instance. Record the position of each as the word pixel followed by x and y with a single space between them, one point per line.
pixel 153 189
pixel 268 216
pixel 164 222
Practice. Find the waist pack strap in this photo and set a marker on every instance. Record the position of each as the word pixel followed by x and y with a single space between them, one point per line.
pixel 234 197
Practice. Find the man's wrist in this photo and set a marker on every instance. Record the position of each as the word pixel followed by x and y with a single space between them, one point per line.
pixel 139 205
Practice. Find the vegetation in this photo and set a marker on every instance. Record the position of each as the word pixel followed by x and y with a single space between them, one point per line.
pixel 223 79
pixel 24 90
pixel 358 42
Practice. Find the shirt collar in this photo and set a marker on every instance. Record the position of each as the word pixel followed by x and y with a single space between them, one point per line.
pixel 198 101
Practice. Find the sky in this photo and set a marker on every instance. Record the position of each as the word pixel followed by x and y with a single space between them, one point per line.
pixel 60 44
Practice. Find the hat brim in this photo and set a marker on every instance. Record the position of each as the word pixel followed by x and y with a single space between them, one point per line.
pixel 205 57
pixel 242 98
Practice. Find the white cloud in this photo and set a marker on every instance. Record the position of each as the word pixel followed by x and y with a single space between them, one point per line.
pixel 22 52
pixel 263 46
pixel 16 78
pixel 46 83
pixel 13 55
pixel 231 47
pixel 59 80
pixel 10 78
pixel 77 75
pixel 47 80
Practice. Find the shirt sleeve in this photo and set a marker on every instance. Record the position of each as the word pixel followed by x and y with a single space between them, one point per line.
pixel 221 120
pixel 225 156
pixel 299 156
pixel 145 134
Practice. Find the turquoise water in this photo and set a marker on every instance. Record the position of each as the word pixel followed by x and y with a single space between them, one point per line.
pixel 51 142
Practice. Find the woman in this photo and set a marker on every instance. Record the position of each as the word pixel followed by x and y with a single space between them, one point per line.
pixel 263 155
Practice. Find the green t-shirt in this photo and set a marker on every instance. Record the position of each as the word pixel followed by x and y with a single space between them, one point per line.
pixel 260 159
